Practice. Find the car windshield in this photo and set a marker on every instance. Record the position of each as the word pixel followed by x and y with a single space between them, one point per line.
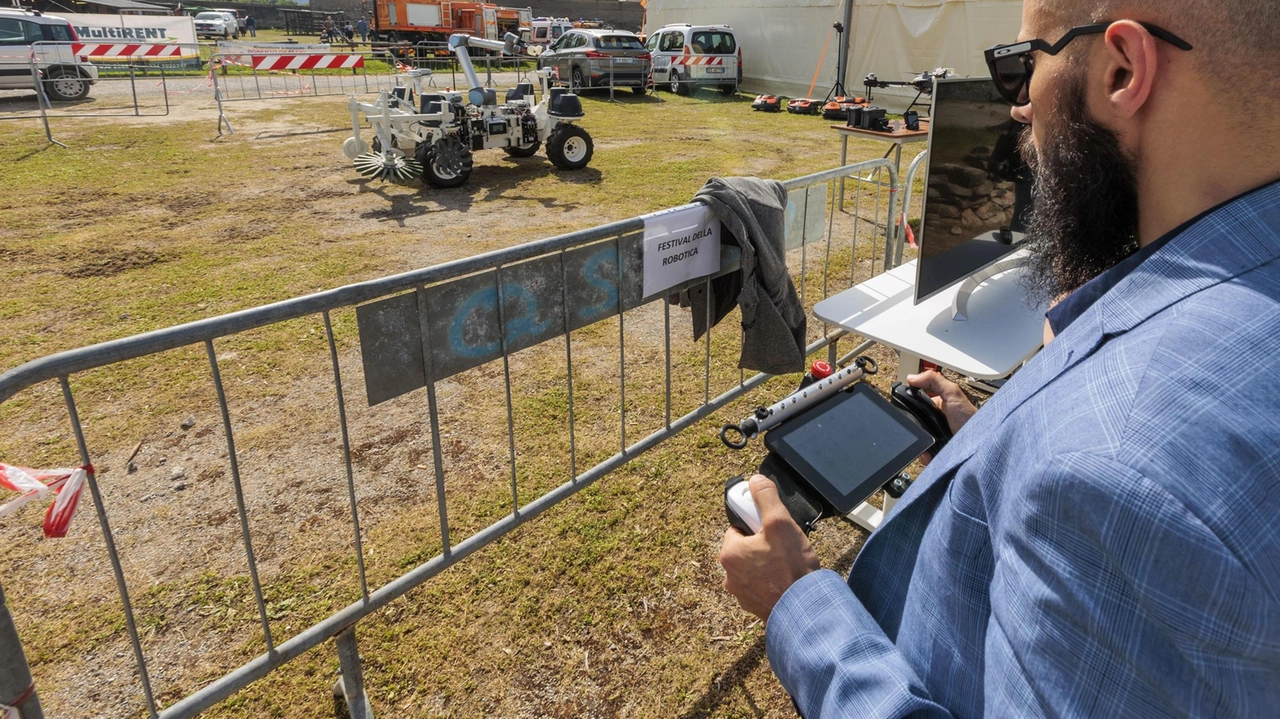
pixel 619 42
pixel 209 16
pixel 714 42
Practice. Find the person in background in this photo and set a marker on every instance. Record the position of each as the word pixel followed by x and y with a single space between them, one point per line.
pixel 362 27
pixel 252 25
pixel 1100 538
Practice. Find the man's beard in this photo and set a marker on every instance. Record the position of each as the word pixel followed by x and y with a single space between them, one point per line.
pixel 1084 213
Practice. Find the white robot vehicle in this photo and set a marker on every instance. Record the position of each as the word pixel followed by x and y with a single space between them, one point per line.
pixel 436 139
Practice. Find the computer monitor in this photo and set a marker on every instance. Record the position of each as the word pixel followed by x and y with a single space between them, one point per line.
pixel 978 188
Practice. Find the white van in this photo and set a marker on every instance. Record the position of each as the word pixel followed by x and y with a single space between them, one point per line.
pixel 686 57
pixel 546 30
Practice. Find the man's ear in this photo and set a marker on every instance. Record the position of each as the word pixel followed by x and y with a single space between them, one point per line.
pixel 1132 66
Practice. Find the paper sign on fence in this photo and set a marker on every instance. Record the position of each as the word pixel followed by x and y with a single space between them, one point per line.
pixel 679 245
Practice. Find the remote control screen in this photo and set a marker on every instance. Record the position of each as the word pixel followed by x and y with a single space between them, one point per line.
pixel 849 445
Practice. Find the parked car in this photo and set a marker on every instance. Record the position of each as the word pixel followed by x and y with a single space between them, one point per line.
pixel 241 27
pixel 546 30
pixel 217 24
pixel 65 76
pixel 686 57
pixel 585 58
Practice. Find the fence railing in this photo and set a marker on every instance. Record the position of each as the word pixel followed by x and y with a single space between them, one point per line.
pixel 128 79
pixel 340 70
pixel 434 326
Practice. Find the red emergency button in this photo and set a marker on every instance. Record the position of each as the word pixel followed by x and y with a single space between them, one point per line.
pixel 820 370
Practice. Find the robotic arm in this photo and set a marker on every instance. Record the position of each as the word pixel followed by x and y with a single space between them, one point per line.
pixel 511 44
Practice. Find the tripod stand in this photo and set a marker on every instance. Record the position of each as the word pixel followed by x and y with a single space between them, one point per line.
pixel 837 90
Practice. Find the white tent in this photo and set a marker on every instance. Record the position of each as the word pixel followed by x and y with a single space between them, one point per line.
pixel 782 40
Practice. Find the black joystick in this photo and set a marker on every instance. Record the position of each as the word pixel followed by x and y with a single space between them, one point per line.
pixel 916 403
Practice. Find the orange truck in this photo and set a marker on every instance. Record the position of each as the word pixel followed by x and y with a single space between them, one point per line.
pixel 412 21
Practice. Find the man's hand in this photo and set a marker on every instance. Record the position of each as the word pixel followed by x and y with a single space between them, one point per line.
pixel 947 396
pixel 760 568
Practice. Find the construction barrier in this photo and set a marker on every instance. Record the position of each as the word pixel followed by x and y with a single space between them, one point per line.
pixel 303 62
pixel 245 77
pixel 128 51
pixel 432 329
pixel 250 76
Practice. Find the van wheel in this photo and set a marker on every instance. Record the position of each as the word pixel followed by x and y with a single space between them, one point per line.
pixel 680 87
pixel 65 85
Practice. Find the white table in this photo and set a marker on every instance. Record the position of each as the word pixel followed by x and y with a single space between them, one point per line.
pixel 1002 331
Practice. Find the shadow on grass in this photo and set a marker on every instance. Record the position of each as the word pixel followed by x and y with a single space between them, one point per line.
pixel 340 710
pixel 626 97
pixel 723 685
pixel 485 184
pixel 277 135
pixel 622 96
pixel 32 153
pixel 400 207
pixel 585 176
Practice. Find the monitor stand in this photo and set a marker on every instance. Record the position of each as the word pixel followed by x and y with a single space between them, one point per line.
pixel 960 305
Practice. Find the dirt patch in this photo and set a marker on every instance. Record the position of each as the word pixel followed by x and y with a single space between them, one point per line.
pixel 186 203
pixel 115 262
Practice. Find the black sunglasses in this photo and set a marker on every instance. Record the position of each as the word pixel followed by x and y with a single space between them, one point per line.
pixel 1011 65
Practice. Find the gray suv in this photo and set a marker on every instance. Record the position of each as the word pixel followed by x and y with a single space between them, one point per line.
pixel 585 58
pixel 66 77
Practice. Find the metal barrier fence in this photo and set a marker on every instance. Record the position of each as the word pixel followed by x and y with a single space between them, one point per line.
pixel 245 76
pixel 132 79
pixel 417 330
pixel 439 58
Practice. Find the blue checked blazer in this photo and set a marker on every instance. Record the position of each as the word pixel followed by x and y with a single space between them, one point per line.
pixel 1103 538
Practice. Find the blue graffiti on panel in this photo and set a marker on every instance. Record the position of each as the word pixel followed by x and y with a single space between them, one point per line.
pixel 591 271
pixel 486 300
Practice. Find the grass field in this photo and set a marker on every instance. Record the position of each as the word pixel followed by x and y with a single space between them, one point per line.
pixel 610 605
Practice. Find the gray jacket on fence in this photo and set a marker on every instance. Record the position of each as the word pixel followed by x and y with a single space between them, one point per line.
pixel 754 214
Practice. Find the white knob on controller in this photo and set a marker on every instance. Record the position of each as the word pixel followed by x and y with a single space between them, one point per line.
pixel 739 501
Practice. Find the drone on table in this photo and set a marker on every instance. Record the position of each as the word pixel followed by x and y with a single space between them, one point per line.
pixel 922 83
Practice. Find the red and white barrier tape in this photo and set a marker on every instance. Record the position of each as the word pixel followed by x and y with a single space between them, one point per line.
pixel 208 83
pixel 32 484
pixel 305 62
pixel 101 50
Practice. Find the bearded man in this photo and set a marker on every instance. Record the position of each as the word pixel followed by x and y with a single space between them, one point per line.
pixel 1102 538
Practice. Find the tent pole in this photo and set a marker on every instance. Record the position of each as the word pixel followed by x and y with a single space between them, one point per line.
pixel 842 58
